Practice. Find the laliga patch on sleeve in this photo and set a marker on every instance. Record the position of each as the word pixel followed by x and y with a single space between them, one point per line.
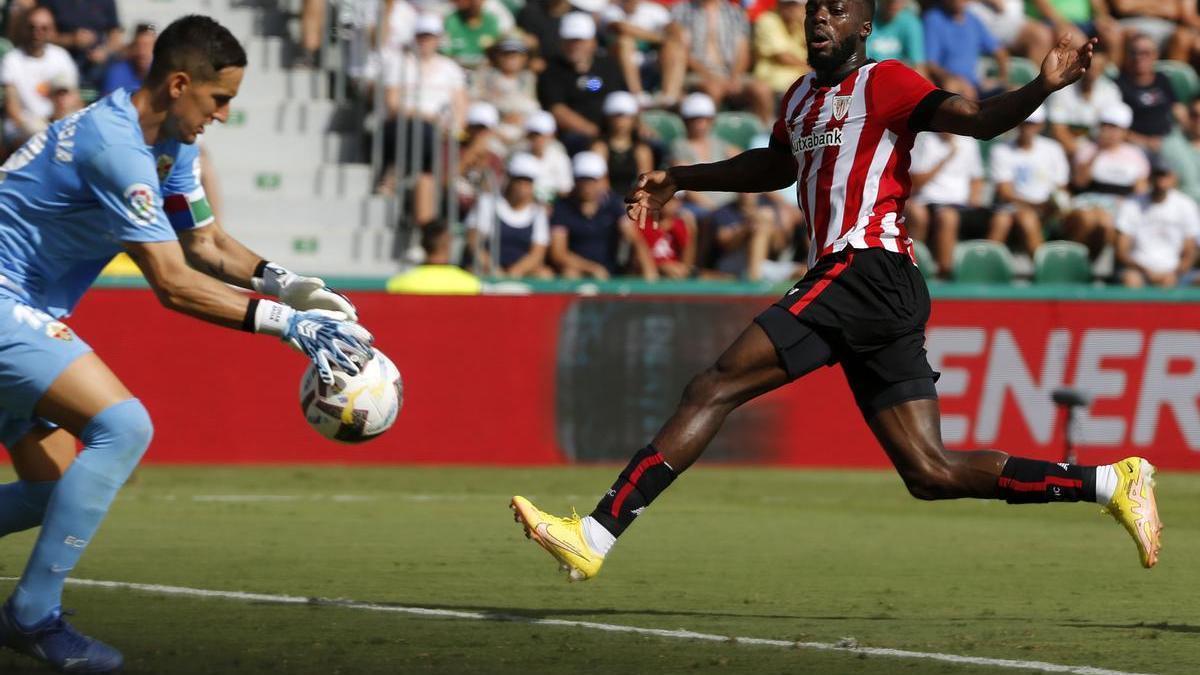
pixel 141 200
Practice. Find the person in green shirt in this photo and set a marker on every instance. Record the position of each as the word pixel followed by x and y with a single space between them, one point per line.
pixel 898 34
pixel 469 32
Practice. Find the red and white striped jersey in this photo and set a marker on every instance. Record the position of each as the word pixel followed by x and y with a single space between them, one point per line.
pixel 851 142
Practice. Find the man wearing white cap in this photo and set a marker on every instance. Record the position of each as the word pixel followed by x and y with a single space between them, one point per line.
pixel 574 86
pixel 1030 172
pixel 587 227
pixel 701 145
pixel 509 235
pixel 844 133
pixel 554 179
pixel 1106 172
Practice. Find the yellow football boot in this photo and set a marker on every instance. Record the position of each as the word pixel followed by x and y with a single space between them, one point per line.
pixel 1134 506
pixel 562 537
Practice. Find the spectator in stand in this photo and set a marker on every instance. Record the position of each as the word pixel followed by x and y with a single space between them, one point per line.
pixel 1074 112
pixel 947 189
pixel 129 71
pixel 1007 22
pixel 312 23
pixel 508 82
pixel 1170 25
pixel 898 34
pixel 700 146
pixel 638 40
pixel 423 90
pixel 91 31
pixel 1030 172
pixel 542 19
pixel 64 98
pixel 780 48
pixel 27 73
pixel 436 275
pixel 1082 19
pixel 1104 172
pixel 520 221
pixel 749 237
pixel 718 35
pixel 1156 233
pixel 1148 92
pixel 554 179
pixel 1185 157
pixel 480 156
pixel 672 242
pixel 470 31
pixel 587 227
pixel 627 155
pixel 955 39
pixel 573 88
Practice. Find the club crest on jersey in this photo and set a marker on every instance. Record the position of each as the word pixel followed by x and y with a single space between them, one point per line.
pixel 59 331
pixel 165 164
pixel 841 106
pixel 140 198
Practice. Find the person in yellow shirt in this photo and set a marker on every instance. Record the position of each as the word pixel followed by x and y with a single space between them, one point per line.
pixel 779 46
pixel 436 276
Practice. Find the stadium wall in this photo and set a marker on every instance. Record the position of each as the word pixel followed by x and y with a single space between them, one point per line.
pixel 557 378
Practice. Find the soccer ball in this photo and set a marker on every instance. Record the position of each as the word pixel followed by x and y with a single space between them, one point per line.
pixel 355 408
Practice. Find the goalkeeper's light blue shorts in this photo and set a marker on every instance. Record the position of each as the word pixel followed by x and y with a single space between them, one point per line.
pixel 34 350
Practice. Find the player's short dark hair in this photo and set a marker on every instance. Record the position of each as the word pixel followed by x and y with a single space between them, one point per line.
pixel 869 9
pixel 198 46
pixel 432 233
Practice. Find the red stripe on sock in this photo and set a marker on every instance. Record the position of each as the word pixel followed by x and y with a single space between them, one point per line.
pixel 1022 486
pixel 638 470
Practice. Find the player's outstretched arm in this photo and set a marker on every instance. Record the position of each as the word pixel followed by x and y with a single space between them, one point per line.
pixel 328 338
pixel 757 170
pixel 987 119
pixel 212 250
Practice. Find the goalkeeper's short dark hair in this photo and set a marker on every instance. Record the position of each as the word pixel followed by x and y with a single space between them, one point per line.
pixel 198 46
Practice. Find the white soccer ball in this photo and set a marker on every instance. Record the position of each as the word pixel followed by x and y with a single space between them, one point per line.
pixel 355 408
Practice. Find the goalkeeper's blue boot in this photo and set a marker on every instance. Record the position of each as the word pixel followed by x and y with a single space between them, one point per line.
pixel 57 643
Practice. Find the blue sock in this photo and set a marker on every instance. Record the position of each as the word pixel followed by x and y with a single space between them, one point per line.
pixel 23 503
pixel 113 441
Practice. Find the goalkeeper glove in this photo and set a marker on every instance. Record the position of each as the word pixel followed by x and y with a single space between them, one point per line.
pixel 297 292
pixel 326 337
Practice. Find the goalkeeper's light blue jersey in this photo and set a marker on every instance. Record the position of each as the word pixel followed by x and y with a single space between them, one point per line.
pixel 72 194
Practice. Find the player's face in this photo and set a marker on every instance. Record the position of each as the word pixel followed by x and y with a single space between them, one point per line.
pixel 199 104
pixel 835 30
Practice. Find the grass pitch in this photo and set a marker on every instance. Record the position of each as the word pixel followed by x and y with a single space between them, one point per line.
pixel 796 555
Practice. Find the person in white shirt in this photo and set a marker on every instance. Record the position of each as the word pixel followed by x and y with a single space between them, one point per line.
pixel 947 189
pixel 640 28
pixel 1156 233
pixel 555 179
pixel 1029 172
pixel 1074 112
pixel 509 234
pixel 30 73
pixel 1105 172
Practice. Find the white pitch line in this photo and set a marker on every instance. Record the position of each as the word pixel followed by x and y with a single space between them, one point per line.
pixel 607 627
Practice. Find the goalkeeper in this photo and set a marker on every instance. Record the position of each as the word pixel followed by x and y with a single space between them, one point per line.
pixel 121 175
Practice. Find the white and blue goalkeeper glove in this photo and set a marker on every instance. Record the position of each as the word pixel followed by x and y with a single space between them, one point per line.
pixel 326 337
pixel 297 292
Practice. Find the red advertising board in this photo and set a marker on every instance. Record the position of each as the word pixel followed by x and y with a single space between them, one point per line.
pixel 547 379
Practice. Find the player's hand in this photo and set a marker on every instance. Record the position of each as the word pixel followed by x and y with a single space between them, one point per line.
pixel 1066 64
pixel 644 203
pixel 307 293
pixel 330 340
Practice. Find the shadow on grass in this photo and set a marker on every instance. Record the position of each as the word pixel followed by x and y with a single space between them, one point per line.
pixel 1141 625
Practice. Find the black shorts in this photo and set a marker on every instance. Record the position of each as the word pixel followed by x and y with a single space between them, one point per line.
pixel 865 309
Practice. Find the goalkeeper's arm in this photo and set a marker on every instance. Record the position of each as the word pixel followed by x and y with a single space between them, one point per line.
pixel 211 250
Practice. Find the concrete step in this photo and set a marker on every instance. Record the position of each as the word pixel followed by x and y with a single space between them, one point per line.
pixel 279 151
pixel 334 181
pixel 294 116
pixel 328 252
pixel 282 212
pixel 243 23
pixel 263 85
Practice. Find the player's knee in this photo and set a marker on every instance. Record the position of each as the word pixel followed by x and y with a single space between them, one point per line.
pixel 708 388
pixel 122 431
pixel 930 481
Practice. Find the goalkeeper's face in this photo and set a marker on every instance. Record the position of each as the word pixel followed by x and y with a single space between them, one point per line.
pixel 195 103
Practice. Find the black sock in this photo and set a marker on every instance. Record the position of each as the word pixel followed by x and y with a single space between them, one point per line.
pixel 1032 481
pixel 646 475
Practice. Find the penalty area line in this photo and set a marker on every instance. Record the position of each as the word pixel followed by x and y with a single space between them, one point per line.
pixel 1041 666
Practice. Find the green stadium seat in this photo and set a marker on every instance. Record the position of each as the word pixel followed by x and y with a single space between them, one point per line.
pixel 982 262
pixel 1184 81
pixel 1022 71
pixel 666 125
pixel 737 128
pixel 1062 262
pixel 925 261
